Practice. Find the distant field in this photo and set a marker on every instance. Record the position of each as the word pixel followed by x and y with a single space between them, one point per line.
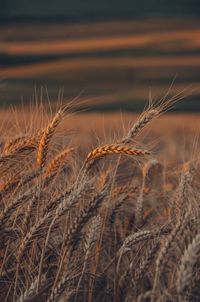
pixel 111 64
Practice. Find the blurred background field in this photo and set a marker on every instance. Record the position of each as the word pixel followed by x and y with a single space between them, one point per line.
pixel 109 54
pixel 172 138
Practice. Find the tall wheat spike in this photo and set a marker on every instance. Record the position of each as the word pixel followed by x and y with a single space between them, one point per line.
pixel 145 119
pixel 189 259
pixel 154 110
pixel 46 137
pixel 181 195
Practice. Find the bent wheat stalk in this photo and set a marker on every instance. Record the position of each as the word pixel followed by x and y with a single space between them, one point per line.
pixel 12 143
pixel 145 118
pixel 115 149
pixel 154 110
pixel 21 144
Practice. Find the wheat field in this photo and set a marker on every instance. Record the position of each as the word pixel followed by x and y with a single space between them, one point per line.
pixel 99 209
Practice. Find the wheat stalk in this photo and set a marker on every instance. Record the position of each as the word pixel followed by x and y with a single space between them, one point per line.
pixel 181 194
pixel 46 137
pixel 164 251
pixel 115 149
pixel 189 259
pixel 145 119
pixel 82 218
pixel 154 110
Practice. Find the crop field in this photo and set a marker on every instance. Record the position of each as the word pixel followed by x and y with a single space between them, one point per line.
pixel 112 63
pixel 99 207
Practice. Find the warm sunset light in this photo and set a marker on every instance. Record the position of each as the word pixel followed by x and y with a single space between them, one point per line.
pixel 100 170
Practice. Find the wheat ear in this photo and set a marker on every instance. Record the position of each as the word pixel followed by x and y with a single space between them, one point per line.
pixel 145 118
pixel 187 267
pixel 115 149
pixel 57 160
pixel 17 181
pixel 146 261
pixel 46 137
pixel 135 238
pixel 154 110
pixel 30 293
pixel 140 236
pixel 9 145
pixel 181 195
pixel 24 143
pixel 10 184
pixel 114 209
pixel 162 256
pixel 12 206
pixel 89 247
pixel 82 218
pixel 62 285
